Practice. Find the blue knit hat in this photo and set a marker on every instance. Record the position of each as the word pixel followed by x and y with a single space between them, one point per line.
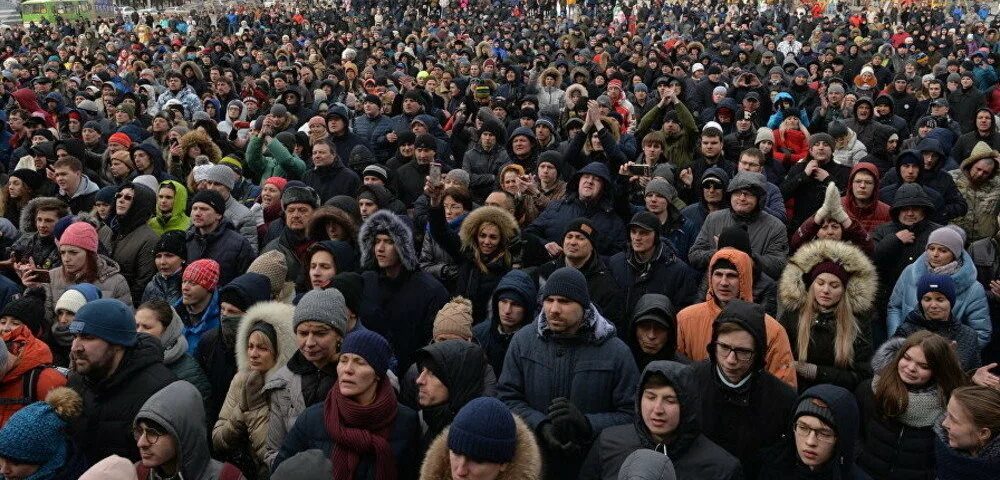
pixel 370 346
pixel 933 282
pixel 484 430
pixel 567 282
pixel 108 319
pixel 36 434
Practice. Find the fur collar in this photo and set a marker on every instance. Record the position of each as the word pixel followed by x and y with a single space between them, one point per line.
pixel 861 288
pixel 386 222
pixel 279 316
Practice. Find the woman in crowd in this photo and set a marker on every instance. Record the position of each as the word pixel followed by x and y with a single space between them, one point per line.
pixel 457 203
pixel 935 296
pixel 134 241
pixel 66 307
pixel 269 205
pixel 264 343
pixel 968 446
pixel 831 222
pixel 825 297
pixel 157 318
pixel 899 405
pixel 23 185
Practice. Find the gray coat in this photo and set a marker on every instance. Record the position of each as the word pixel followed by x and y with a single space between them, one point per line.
pixel 110 282
pixel 768 240
pixel 245 220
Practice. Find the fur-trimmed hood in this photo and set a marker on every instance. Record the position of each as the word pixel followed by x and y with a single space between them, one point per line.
pixel 194 66
pixel 35 204
pixel 487 214
pixel 386 222
pixel 279 316
pixel 204 142
pixel 526 464
pixel 550 72
pixel 576 87
pixel 326 215
pixel 861 288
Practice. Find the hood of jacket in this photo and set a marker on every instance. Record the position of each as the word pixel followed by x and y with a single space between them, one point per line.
pixel 27 222
pixel 155 156
pixel 278 316
pixel 677 376
pixel 744 266
pixel 887 100
pixel 574 88
pixel 178 409
pixel 239 104
pixel 142 209
pixel 179 210
pixel 519 283
pixel 595 328
pixel 647 465
pixel 657 305
pixel 526 464
pixel 860 289
pixel 910 195
pixel 946 141
pixel 750 317
pixel 869 168
pixel 844 409
pixel 597 169
pixel 548 72
pixel 326 215
pixel 26 352
pixel 174 342
pixel 460 367
pixel 729 103
pixel 344 255
pixel 387 223
pixel 204 143
pixel 503 220
pixel 194 66
pixel 527 132
pixel 383 196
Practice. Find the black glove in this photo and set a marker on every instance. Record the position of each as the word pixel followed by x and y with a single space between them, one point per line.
pixel 571 424
pixel 550 442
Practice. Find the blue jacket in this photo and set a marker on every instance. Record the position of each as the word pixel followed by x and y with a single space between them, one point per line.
pixel 210 319
pixel 779 116
pixel 373 132
pixel 494 343
pixel 970 308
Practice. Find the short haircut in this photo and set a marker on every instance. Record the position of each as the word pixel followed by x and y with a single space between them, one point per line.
pixel 730 327
pixel 164 313
pixel 656 380
pixel 755 153
pixel 711 132
pixel 69 162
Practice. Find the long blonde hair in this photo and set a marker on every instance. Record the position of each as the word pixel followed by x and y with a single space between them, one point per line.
pixel 847 330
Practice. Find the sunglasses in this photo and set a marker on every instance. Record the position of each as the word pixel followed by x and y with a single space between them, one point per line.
pixel 126 196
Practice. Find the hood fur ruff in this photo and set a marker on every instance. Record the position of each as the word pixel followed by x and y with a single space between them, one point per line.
pixel 384 221
pixel 526 464
pixel 487 214
pixel 279 316
pixel 860 292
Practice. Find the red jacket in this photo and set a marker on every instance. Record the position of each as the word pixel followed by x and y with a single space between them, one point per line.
pixel 26 353
pixel 872 216
pixel 793 140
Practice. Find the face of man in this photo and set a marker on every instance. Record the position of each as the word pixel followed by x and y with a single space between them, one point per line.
pixel 863 186
pixel 651 336
pixel 821 151
pixel 863 111
pixel 385 251
pixel 67 179
pixel 204 217
pixel 165 200
pixel 92 356
pixel 984 123
pixel 511 313
pixel 725 283
pixel 487 140
pixel 576 247
pixel 910 216
pixel 520 145
pixel 661 411
pixel 297 216
pixel 562 314
pixel 743 201
pixel 590 187
pixel 322 154
pixel 734 353
pixel 982 170
pixel 712 191
pixel 431 391
pixel 641 240
pixel 711 147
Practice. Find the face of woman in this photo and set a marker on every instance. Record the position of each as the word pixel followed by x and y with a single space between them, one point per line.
pixel 318 342
pixel 356 378
pixel 938 255
pixel 488 239
pixel 913 368
pixel 510 182
pixel 936 306
pixel 73 259
pixel 146 322
pixel 963 434
pixel 321 269
pixel 15 187
pixel 831 230
pixel 465 468
pixel 260 353
pixel 827 290
pixel 452 209
pixel 269 194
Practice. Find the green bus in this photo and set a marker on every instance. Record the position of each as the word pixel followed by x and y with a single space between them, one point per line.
pixel 38 10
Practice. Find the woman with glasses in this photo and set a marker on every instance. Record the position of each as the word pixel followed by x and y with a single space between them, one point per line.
pixel 134 241
pixel 900 405
pixel 824 431
pixel 968 445
pixel 825 296
pixel 170 433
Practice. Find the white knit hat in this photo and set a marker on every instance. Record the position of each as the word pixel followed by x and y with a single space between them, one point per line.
pixel 71 301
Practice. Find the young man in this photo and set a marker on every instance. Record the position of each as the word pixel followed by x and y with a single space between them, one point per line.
pixel 213 237
pixel 861 199
pixel 199 303
pixel 75 188
pixel 171 208
pixel 512 307
pixel 170 255
pixel 222 178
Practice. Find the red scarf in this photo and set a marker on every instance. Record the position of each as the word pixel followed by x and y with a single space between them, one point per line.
pixel 359 430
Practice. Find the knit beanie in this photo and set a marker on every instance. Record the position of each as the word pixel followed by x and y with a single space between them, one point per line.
pixel 821 137
pixel 308 465
pixel 222 175
pixel 108 319
pixel 948 238
pixel 351 285
pixel 484 430
pixel 583 226
pixel 271 264
pixel 203 272
pixel 831 267
pixel 175 242
pixel 121 139
pixel 764 133
pixel 72 300
pixel 35 434
pixel 567 282
pixel 299 194
pixel 376 170
pixel 457 175
pixel 29 309
pixel 322 306
pixel 933 282
pixel 454 318
pixel 277 182
pixel 735 236
pixel 81 235
pixel 243 292
pixel 809 406
pixel 211 198
pixel 368 345
pixel 114 468
pixel 31 178
pixel 200 169
pixel 661 187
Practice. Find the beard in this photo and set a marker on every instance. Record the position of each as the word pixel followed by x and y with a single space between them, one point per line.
pixel 95 369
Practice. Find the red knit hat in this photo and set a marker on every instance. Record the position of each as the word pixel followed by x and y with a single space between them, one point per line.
pixel 204 272
pixel 831 267
pixel 278 182
pixel 121 139
pixel 80 234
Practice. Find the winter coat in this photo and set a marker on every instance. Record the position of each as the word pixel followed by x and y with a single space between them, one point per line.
pixel 692 453
pixel 32 354
pixel 967 142
pixel 278 163
pixel 970 307
pixel 694 323
pixel 664 273
pixel 859 293
pixel 891 254
pixel 372 132
pixel 289 391
pixel 550 98
pixel 178 219
pixel 551 223
pixel 955 465
pixel 110 405
pixel 332 180
pixel 868 217
pixel 177 408
pixel 525 465
pixel 807 192
pixel 182 364
pixel 852 153
pixel 186 96
pixel 224 245
pixel 964 337
pixel 310 432
pixel 110 282
pixel 134 242
pixel 30 244
pixel 483 166
pixel 892 450
pixel 245 220
pixel 790 147
pixel 401 309
pixel 592 368
pixel 243 418
pixel 291 245
pixel 196 327
pixel 768 239
pixel 964 103
pixel 750 419
pixel 434 259
pixel 488 335
pixel 165 288
pixel 951 204
pixel 679 148
pixel 980 221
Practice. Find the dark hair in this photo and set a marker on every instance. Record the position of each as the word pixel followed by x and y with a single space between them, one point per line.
pixel 460 195
pixel 163 311
pixel 711 132
pixel 755 153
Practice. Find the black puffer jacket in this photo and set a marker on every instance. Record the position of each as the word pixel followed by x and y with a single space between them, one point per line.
pixel 110 405
pixel 892 450
pixel 224 245
pixel 134 242
pixel 693 454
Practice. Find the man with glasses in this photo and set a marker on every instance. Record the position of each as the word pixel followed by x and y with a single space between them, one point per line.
pixel 712 198
pixel 746 410
pixel 111 362
pixel 752 160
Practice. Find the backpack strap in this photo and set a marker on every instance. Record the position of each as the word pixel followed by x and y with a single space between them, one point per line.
pixel 29 383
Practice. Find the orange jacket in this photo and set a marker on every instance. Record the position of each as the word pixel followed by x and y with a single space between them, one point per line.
pixel 26 353
pixel 694 323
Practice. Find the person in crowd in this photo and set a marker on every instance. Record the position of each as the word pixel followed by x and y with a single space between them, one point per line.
pixel 936 294
pixel 278 160
pixel 512 306
pixel 28 311
pixel 158 319
pixel 484 441
pixel 169 431
pixel 730 278
pixel 27 376
pixel 944 255
pixel 861 197
pixel 914 376
pixel 170 254
pixel 450 376
pixel 661 199
pixel 977 181
pixel 133 240
pixel 199 304
pixel 69 303
pixel 36 244
pixel 434 259
pixel 714 184
pixel 568 414
pixel 222 179
pixel 806 181
pixel 298 204
pixel 115 370
pixel 75 188
pixel 265 342
pixel 329 175
pixel 966 445
pixel 213 237
pixel 826 295
pixel 667 423
pixel 323 261
pixel 35 443
pixel 359 423
pixel 749 409
pixel 831 222
pixel 171 208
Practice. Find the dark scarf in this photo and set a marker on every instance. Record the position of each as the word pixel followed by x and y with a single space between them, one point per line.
pixel 358 430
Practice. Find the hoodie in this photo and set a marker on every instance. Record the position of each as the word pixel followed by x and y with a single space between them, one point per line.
pixel 870 216
pixel 459 365
pixel 177 219
pixel 517 284
pixel 657 308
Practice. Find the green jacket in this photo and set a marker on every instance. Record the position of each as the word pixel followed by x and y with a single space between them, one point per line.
pixel 679 150
pixel 178 219
pixel 280 163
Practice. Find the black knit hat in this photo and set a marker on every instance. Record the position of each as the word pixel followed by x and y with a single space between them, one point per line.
pixel 351 286
pixel 583 226
pixel 567 282
pixel 212 199
pixel 736 237
pixel 29 309
pixel 427 141
pixel 175 242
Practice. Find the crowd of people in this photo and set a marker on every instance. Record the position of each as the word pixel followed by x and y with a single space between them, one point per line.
pixel 475 240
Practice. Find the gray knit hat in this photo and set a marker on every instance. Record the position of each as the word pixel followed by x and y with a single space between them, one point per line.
pixel 323 306
pixel 764 133
pixel 222 175
pixel 458 175
pixel 661 187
